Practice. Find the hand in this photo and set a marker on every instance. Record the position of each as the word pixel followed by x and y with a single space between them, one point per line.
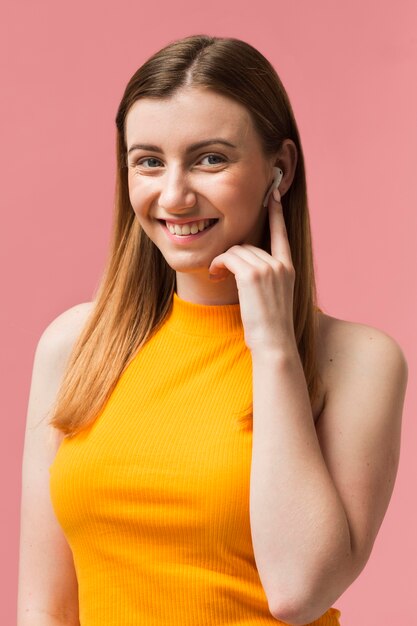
pixel 265 285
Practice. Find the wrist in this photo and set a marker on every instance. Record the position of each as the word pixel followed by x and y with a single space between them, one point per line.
pixel 275 354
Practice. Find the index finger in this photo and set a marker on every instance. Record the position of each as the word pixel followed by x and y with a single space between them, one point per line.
pixel 280 246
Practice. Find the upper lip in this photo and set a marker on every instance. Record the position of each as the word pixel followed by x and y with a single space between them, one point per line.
pixel 187 221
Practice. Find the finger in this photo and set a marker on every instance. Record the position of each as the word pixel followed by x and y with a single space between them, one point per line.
pixel 232 262
pixel 259 252
pixel 251 254
pixel 280 246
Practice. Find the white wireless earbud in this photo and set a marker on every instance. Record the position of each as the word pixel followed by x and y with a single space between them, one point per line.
pixel 278 174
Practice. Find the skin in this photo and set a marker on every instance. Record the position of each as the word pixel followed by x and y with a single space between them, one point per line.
pixel 230 185
pixel 333 482
pixel 331 467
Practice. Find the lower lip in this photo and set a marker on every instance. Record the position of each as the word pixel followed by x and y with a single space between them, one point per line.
pixel 184 239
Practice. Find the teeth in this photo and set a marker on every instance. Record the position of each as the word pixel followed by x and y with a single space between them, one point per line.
pixel 186 229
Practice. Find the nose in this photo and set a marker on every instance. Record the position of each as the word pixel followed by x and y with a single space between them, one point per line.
pixel 176 193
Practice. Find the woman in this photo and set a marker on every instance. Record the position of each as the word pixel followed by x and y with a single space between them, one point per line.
pixel 224 451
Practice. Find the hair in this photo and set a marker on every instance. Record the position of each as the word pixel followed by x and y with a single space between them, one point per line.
pixel 135 293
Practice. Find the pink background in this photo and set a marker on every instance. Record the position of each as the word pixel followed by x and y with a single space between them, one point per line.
pixel 350 70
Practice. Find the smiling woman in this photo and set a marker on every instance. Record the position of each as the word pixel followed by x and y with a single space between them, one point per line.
pixel 174 183
pixel 219 450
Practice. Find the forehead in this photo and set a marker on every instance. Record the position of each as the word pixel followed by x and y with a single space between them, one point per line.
pixel 187 116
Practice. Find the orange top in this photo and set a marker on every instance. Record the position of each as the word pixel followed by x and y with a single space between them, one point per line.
pixel 153 497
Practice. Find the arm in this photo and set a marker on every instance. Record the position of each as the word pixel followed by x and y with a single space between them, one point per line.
pixel 47 585
pixel 318 499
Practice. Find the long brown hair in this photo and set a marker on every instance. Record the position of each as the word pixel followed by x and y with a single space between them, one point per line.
pixel 136 289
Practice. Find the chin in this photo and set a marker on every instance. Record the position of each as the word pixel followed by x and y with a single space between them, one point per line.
pixel 189 265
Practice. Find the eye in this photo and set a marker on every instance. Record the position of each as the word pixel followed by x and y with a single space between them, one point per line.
pixel 219 158
pixel 153 162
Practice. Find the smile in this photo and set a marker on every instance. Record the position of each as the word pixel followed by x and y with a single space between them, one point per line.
pixel 187 232
pixel 190 228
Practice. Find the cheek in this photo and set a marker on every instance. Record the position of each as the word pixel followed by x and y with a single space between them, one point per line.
pixel 241 192
pixel 245 205
pixel 137 196
pixel 135 200
pixel 237 199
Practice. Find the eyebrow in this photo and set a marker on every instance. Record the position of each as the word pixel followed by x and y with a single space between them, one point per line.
pixel 191 148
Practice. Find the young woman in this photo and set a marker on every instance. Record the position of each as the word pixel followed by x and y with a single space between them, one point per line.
pixel 218 450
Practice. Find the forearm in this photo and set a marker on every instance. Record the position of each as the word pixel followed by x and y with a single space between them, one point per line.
pixel 43 618
pixel 34 620
pixel 299 527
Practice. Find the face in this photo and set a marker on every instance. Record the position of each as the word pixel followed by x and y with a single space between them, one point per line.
pixel 173 181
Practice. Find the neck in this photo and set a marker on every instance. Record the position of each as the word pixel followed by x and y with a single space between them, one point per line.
pixel 194 287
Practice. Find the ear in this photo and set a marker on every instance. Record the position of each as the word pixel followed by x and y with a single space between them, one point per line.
pixel 287 159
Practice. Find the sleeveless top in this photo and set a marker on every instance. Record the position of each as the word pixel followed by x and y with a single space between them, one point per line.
pixel 153 497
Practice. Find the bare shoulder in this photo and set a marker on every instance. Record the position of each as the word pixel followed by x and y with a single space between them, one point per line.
pixel 51 357
pixel 364 372
pixel 47 578
pixel 64 329
pixel 345 347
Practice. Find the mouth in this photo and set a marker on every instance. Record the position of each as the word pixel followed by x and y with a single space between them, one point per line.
pixel 189 229
pixel 186 233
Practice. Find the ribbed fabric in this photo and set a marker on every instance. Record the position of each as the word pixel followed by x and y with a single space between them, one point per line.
pixel 153 498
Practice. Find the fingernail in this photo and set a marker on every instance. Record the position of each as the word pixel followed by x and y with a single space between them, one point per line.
pixel 277 195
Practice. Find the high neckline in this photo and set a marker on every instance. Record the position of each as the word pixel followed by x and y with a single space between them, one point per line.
pixel 204 319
